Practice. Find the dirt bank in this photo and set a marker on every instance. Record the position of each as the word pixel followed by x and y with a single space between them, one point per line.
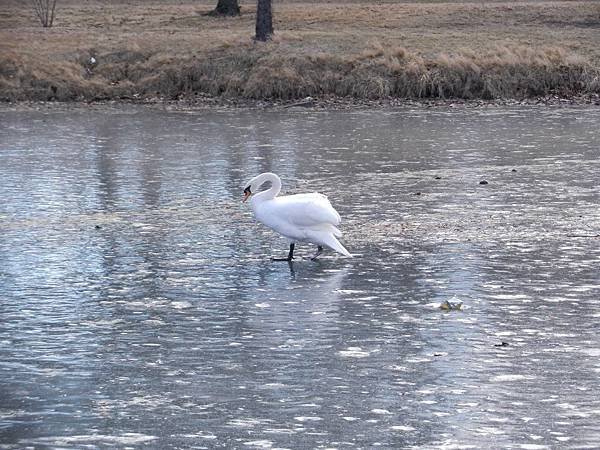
pixel 356 51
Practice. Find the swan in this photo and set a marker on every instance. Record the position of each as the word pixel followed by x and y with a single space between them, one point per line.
pixel 298 218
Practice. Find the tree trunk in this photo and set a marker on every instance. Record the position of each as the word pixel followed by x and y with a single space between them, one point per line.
pixel 226 8
pixel 264 21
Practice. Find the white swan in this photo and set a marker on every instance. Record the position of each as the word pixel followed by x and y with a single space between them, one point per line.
pixel 298 218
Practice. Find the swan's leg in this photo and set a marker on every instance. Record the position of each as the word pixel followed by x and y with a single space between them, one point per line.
pixel 290 254
pixel 316 255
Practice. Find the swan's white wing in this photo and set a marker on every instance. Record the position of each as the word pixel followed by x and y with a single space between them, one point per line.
pixel 307 210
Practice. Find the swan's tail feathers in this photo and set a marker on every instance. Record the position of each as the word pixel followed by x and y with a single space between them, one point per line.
pixel 334 244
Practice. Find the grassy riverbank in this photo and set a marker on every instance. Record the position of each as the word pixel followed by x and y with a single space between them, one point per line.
pixel 427 50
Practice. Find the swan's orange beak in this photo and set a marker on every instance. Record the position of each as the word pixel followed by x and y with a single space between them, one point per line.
pixel 247 194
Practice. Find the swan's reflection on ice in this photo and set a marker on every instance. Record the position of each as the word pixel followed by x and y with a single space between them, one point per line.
pixel 287 342
pixel 302 299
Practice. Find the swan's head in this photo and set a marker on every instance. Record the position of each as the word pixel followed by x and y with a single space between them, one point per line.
pixel 255 184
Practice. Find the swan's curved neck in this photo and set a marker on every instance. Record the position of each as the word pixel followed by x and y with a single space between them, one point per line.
pixel 270 193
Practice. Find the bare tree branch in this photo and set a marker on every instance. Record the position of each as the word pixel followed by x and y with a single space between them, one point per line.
pixel 45 11
pixel 53 9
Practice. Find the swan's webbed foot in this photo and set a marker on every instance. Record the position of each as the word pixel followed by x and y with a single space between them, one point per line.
pixel 316 255
pixel 290 255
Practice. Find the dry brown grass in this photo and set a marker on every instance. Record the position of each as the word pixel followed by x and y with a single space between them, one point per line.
pixel 347 48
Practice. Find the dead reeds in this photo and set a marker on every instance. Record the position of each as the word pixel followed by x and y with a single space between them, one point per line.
pixel 274 73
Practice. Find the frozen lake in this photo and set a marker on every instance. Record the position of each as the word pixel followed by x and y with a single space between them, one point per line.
pixel 139 307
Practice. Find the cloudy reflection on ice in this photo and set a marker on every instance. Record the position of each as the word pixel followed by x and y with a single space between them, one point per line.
pixel 139 307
